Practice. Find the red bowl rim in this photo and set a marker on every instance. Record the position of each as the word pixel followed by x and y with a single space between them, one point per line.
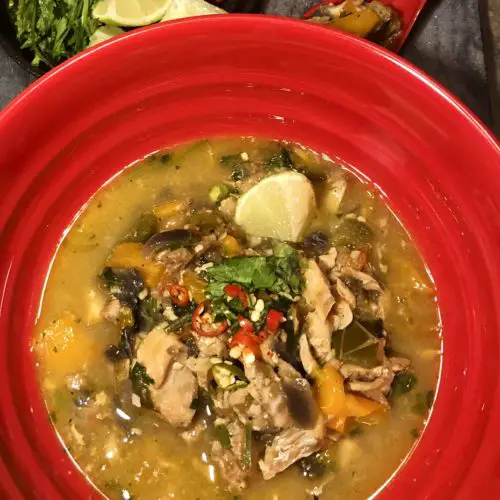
pixel 114 45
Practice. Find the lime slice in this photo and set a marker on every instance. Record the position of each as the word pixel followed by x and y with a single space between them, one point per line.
pixel 104 33
pixel 177 9
pixel 280 206
pixel 130 12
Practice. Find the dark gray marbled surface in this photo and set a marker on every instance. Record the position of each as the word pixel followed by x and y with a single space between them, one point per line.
pixel 446 43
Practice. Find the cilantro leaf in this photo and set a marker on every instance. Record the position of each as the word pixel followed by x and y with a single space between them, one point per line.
pixel 278 273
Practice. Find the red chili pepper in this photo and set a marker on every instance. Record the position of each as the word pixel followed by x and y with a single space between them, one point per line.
pixel 247 339
pixel 310 13
pixel 245 324
pixel 235 291
pixel 203 324
pixel 273 320
pixel 179 295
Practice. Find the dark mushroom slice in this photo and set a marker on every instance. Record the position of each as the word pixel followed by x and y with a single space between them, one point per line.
pixel 168 240
pixel 301 403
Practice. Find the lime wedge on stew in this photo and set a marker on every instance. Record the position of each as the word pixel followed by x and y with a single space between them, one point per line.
pixel 280 206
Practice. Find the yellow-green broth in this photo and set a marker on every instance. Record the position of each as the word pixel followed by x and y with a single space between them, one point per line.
pixel 144 457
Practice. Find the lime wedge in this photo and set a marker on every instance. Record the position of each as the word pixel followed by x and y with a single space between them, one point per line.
pixel 177 9
pixel 104 33
pixel 130 12
pixel 280 206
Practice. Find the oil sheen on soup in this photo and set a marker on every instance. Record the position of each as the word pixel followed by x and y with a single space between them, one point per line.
pixel 238 319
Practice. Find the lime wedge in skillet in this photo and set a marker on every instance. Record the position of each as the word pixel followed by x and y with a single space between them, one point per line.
pixel 177 9
pixel 280 206
pixel 130 12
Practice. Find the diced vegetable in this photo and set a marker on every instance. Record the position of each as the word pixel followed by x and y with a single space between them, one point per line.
pixel 145 227
pixel 360 23
pixel 206 220
pixel 195 285
pixel 352 233
pixel 125 317
pixel 335 195
pixel 230 246
pixel 245 324
pixel 246 338
pixel 359 406
pixel 130 255
pixel 95 301
pixel 65 346
pixel 335 404
pixel 273 320
pixel 170 208
pixel 330 396
pixel 219 192
pixel 228 376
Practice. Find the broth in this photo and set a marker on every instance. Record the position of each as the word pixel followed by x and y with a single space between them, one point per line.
pixel 129 451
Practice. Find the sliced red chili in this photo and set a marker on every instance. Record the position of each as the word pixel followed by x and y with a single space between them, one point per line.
pixel 235 291
pixel 310 13
pixel 203 323
pixel 179 295
pixel 245 324
pixel 247 339
pixel 273 320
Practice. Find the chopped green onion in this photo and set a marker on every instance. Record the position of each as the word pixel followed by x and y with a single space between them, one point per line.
pixel 219 192
pixel 246 460
pixel 228 376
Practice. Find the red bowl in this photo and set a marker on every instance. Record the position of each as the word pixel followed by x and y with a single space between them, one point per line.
pixel 435 163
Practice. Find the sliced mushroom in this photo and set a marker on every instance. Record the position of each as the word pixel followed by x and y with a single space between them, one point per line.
pixel 343 315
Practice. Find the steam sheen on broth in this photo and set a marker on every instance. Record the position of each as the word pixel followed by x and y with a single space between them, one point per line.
pixel 190 348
